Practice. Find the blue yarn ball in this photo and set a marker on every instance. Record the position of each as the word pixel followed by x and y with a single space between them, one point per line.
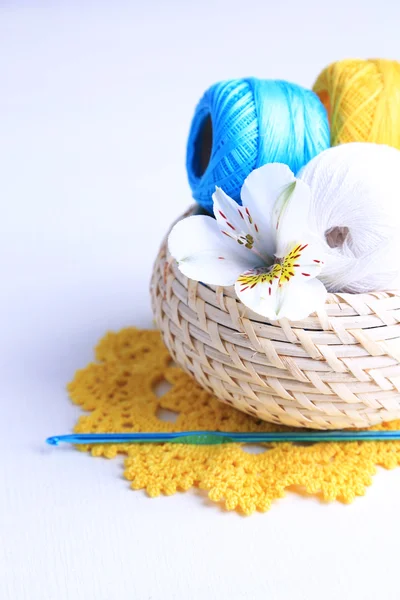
pixel 242 124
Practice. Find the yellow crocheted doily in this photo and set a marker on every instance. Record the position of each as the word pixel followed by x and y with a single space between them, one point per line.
pixel 120 394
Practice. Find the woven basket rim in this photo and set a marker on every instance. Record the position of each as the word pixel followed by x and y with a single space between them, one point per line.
pixel 332 298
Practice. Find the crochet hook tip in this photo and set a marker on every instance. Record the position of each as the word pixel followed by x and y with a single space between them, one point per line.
pixel 53 441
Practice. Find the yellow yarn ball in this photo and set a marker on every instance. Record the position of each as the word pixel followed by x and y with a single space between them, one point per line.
pixel 362 98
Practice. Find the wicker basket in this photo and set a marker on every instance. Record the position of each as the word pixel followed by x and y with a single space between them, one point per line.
pixel 338 368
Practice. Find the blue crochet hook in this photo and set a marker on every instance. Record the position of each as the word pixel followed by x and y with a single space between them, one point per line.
pixel 222 437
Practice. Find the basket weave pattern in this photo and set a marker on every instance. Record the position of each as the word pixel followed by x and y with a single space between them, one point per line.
pixel 338 368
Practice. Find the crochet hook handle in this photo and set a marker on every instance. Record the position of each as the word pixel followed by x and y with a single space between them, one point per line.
pixel 220 437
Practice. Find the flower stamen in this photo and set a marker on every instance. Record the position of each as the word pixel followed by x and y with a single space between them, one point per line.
pixel 249 216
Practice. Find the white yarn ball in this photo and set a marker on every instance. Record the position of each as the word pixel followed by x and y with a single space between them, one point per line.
pixel 356 209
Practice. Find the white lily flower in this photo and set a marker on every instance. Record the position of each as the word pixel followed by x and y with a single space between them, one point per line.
pixel 264 248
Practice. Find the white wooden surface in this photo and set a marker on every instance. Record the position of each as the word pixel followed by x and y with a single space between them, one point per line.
pixel 95 104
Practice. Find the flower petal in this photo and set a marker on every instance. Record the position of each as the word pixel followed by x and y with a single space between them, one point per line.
pixel 294 300
pixel 302 259
pixel 257 289
pixel 238 225
pixel 260 191
pixel 291 215
pixel 228 212
pixel 300 298
pixel 204 254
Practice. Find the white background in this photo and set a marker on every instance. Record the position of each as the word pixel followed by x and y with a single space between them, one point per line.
pixel 95 104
